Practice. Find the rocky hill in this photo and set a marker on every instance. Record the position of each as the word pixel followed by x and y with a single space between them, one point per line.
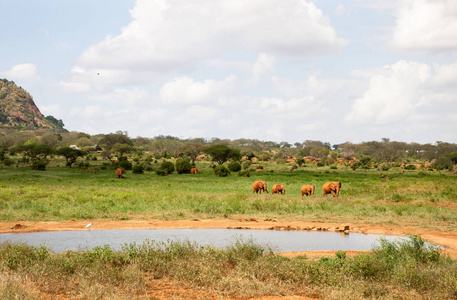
pixel 17 109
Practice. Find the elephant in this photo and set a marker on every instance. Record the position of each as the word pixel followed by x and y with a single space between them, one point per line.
pixel 307 190
pixel 194 171
pixel 119 173
pixel 332 188
pixel 259 186
pixel 278 189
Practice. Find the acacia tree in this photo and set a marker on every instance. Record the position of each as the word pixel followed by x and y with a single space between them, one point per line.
pixel 192 150
pixel 37 154
pixel 70 154
pixel 222 153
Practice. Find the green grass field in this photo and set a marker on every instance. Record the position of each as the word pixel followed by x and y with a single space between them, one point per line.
pixel 424 199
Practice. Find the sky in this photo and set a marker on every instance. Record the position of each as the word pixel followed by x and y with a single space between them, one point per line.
pixel 272 70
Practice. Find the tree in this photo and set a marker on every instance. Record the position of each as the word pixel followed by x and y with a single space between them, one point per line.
pixel 112 139
pixel 122 149
pixel 70 154
pixel 192 150
pixel 222 153
pixel 35 153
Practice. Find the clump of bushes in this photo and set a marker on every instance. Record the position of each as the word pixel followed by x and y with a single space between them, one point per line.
pixel 410 167
pixel 138 169
pixel 183 166
pixel 165 168
pixel 246 164
pixel 221 171
pixel 234 166
pixel 244 173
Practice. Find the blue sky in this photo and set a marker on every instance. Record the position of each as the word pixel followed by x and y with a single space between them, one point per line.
pixel 334 71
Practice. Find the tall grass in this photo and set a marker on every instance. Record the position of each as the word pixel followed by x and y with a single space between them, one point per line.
pixel 395 270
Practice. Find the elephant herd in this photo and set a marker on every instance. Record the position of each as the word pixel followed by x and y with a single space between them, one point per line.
pixel 308 190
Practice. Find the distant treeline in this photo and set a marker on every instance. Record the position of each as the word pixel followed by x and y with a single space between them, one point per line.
pixel 119 143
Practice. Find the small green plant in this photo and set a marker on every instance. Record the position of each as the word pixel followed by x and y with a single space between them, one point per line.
pixel 410 167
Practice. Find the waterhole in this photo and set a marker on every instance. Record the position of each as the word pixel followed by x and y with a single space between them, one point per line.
pixel 277 241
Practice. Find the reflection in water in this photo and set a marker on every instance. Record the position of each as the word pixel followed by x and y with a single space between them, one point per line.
pixel 278 241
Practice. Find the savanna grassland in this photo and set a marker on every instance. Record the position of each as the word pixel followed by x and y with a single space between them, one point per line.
pixel 409 270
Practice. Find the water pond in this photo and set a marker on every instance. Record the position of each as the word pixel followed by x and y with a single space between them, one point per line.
pixel 277 241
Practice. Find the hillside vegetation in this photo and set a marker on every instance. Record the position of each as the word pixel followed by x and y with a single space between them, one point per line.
pixel 17 109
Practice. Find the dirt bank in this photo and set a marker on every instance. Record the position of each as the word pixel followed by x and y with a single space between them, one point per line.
pixel 447 240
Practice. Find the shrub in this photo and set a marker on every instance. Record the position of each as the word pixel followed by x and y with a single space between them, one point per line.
pixel 8 162
pixel 333 167
pixel 246 164
pixel 385 167
pixel 300 161
pixel 39 165
pixel 442 163
pixel 410 167
pixel 125 164
pixel 234 166
pixel 183 166
pixel 167 167
pixel 320 164
pixel 138 169
pixel 221 171
pixel 245 173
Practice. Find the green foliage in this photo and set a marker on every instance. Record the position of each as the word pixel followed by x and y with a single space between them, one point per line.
pixel 244 173
pixel 183 166
pixel 234 166
pixel 70 154
pixel 138 169
pixel 39 165
pixel 109 140
pixel 221 171
pixel 246 164
pixel 124 164
pixel 442 163
pixel 410 167
pixel 300 161
pixel 166 168
pixel 222 153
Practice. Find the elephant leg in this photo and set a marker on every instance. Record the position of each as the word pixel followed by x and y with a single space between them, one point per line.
pixel 333 193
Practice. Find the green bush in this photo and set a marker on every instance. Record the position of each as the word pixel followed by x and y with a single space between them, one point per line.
pixel 300 161
pixel 183 166
pixel 221 171
pixel 40 165
pixel 125 164
pixel 138 169
pixel 410 167
pixel 246 164
pixel 8 162
pixel 245 173
pixel 234 166
pixel 166 167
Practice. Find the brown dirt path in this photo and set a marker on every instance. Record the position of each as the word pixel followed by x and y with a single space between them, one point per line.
pixel 447 240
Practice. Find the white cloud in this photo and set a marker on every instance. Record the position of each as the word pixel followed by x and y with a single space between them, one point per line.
pixel 393 95
pixel 25 71
pixel 184 90
pixel 123 97
pixel 426 26
pixel 263 67
pixel 168 35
